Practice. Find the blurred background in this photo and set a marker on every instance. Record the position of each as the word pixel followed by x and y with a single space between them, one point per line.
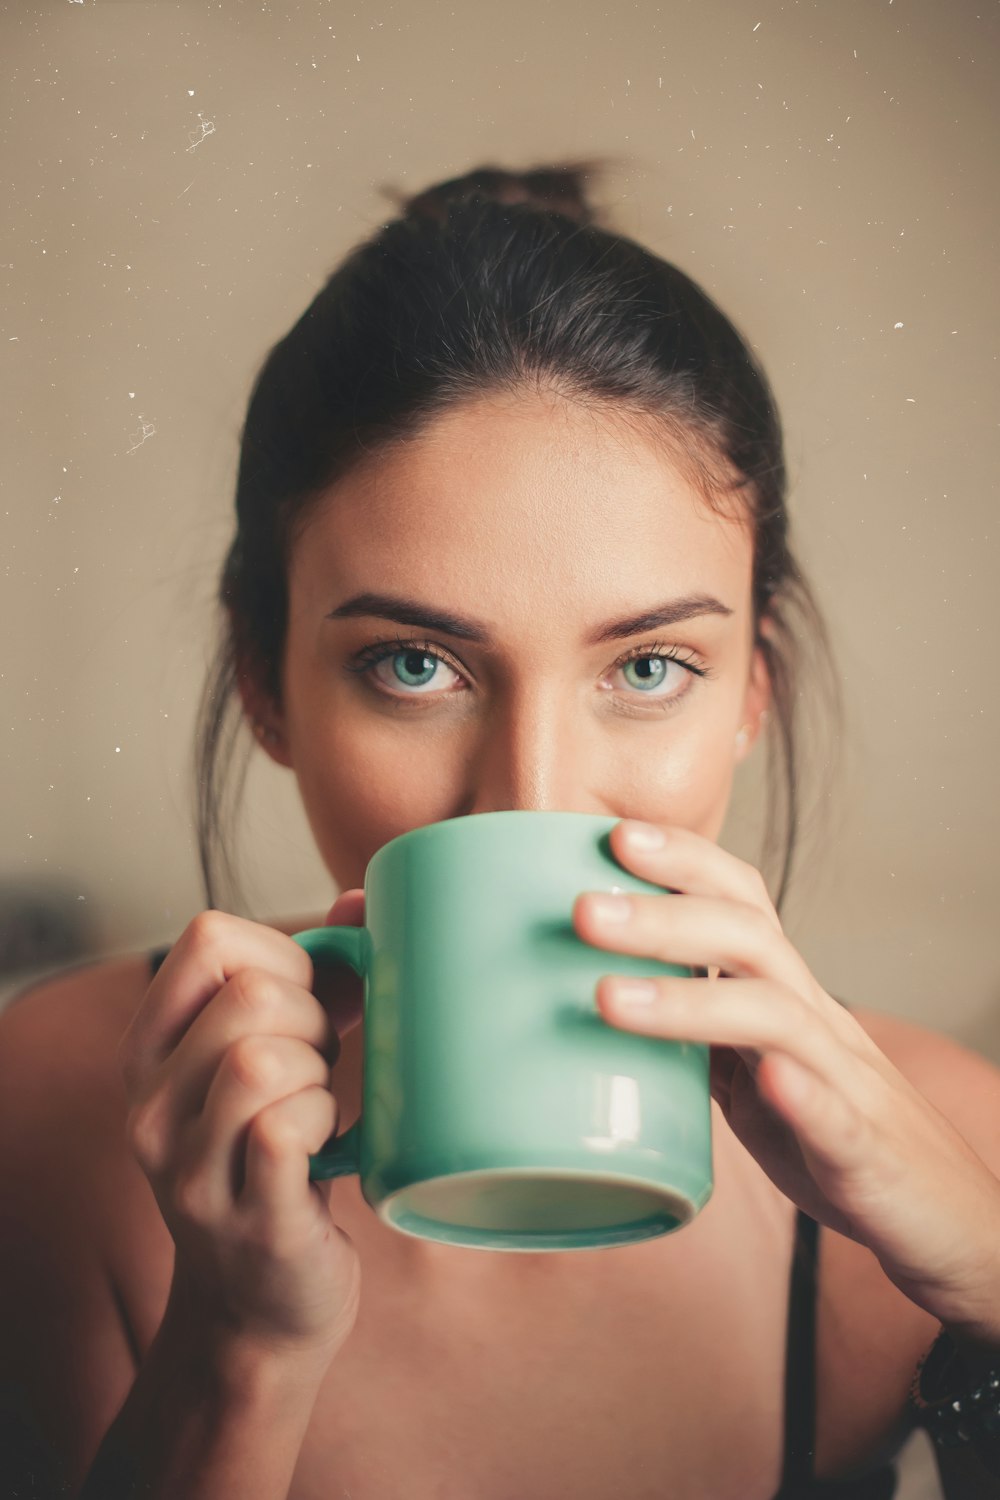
pixel 180 177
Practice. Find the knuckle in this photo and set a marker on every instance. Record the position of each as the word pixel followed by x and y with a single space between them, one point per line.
pixel 854 1131
pixel 757 928
pixel 309 1067
pixel 207 931
pixel 254 994
pixel 756 886
pixel 796 1018
pixel 797 1025
pixel 305 1018
pixel 746 939
pixel 252 1062
pixel 272 1134
pixel 324 1117
pixel 145 1135
pixel 190 1198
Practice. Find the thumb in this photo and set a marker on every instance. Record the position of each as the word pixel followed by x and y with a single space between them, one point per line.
pixel 348 910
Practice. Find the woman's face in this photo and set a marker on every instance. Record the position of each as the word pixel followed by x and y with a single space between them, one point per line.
pixel 515 548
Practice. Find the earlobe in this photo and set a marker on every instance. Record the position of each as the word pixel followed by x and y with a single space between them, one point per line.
pixel 264 718
pixel 756 705
pixel 272 741
pixel 748 734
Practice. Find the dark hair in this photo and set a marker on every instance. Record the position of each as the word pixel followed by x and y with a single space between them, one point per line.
pixel 498 281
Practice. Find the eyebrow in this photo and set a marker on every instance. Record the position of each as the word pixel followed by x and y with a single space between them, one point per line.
pixel 411 612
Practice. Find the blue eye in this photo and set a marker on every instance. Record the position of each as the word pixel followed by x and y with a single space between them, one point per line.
pixel 649 670
pixel 405 664
pixel 655 675
pixel 413 668
pixel 417 666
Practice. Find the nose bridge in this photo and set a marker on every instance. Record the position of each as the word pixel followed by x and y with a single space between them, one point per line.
pixel 532 754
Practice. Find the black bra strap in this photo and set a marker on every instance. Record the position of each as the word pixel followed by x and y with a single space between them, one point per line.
pixel 800 1359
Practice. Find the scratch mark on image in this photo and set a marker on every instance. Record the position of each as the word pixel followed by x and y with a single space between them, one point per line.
pixel 147 430
pixel 206 127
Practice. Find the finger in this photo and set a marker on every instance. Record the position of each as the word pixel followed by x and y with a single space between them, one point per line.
pixel 348 910
pixel 687 862
pixel 255 1073
pixel 832 1127
pixel 252 1006
pixel 280 1141
pixel 211 951
pixel 692 930
pixel 744 1014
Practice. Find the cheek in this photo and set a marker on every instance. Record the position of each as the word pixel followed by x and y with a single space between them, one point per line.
pixel 362 786
pixel 357 789
pixel 365 778
pixel 686 783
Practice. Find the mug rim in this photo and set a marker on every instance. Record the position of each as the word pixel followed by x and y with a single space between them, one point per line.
pixel 510 814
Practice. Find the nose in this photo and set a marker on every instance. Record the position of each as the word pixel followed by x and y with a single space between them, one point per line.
pixel 533 755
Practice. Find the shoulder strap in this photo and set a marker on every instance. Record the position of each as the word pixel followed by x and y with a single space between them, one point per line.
pixel 800 1359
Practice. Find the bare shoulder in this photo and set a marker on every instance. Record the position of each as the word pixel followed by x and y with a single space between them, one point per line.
pixel 60 1092
pixel 62 1101
pixel 70 1200
pixel 69 1021
pixel 62 1098
pixel 961 1083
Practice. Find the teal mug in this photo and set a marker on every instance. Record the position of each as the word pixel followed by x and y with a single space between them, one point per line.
pixel 499 1109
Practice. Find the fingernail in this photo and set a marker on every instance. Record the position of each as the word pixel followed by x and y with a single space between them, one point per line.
pixel 611 908
pixel 634 992
pixel 644 836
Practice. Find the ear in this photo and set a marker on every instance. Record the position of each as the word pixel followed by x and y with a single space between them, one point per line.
pixel 756 704
pixel 263 714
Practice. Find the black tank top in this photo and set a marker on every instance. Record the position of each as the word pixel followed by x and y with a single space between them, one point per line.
pixel 797 1479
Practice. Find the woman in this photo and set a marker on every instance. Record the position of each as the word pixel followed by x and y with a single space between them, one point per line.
pixel 511 534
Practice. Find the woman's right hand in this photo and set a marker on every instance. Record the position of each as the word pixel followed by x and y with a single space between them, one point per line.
pixel 226 1067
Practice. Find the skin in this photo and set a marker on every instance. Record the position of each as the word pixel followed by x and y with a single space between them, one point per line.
pixel 577 519
pixel 541 521
pixel 574 522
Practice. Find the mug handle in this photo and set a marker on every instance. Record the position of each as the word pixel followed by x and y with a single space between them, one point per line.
pixel 341 1155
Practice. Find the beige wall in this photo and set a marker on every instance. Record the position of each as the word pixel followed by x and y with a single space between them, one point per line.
pixel 184 175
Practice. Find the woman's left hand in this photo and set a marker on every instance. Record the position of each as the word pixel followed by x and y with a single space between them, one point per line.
pixel 823 1111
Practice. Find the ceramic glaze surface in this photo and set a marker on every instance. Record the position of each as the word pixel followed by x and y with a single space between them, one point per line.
pixel 499 1109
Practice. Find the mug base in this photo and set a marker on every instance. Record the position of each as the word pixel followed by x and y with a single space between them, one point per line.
pixel 527 1209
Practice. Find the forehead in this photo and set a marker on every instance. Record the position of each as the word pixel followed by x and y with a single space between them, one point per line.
pixel 516 496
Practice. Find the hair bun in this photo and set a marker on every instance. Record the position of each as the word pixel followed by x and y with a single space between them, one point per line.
pixel 551 189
